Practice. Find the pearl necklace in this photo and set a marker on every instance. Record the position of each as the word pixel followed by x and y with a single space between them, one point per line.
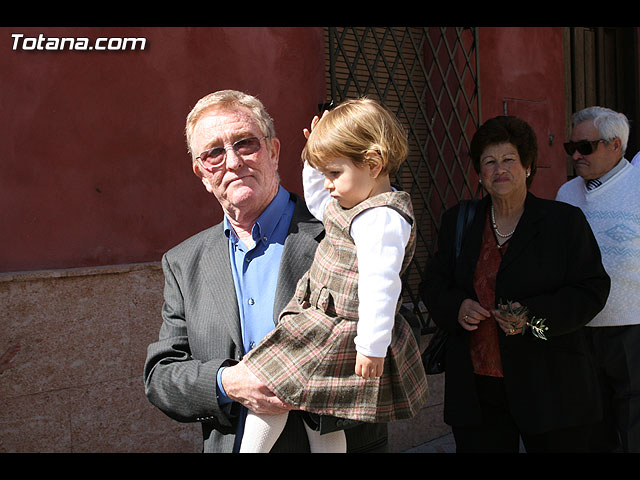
pixel 495 226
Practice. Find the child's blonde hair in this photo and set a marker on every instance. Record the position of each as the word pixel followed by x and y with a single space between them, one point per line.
pixel 361 130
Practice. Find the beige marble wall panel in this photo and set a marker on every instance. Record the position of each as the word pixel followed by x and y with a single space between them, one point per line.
pixel 77 382
pixel 36 423
pixel 116 417
pixel 73 331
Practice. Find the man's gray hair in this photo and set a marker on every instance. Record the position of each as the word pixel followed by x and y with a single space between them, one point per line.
pixel 609 123
pixel 230 99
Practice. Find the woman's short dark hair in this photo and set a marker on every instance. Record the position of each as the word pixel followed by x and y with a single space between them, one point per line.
pixel 507 129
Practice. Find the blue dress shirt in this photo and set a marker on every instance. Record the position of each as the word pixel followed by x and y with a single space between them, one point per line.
pixel 255 271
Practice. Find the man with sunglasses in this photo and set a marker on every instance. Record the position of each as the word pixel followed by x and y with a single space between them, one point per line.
pixel 225 287
pixel 607 189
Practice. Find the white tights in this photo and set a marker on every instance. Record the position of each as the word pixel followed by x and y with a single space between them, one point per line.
pixel 262 431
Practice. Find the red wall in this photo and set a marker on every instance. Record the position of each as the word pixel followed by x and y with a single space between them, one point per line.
pixel 94 169
pixel 93 163
pixel 522 73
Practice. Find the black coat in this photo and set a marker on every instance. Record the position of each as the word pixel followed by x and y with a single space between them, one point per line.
pixel 552 266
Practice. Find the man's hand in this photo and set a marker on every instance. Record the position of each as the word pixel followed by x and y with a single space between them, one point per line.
pixel 369 367
pixel 244 387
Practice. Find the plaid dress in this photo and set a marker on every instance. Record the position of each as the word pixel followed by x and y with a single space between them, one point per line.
pixel 308 360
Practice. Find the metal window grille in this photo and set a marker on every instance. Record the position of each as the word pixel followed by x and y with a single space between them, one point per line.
pixel 429 78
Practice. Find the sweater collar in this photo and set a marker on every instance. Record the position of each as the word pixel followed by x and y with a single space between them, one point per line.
pixel 607 176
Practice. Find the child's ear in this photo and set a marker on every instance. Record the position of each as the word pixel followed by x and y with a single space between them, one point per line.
pixel 374 160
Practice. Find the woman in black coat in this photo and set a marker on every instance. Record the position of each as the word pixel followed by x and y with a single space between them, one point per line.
pixel 512 373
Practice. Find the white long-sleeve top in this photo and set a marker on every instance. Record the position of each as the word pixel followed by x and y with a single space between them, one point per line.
pixel 380 235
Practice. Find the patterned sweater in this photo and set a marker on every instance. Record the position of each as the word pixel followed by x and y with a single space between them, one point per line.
pixel 613 211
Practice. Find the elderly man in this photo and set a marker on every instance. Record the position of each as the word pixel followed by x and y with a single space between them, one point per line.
pixel 608 191
pixel 225 287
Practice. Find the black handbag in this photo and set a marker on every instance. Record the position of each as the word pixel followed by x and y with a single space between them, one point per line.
pixel 434 355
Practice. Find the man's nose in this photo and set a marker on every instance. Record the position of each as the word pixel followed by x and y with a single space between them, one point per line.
pixel 233 160
pixel 576 155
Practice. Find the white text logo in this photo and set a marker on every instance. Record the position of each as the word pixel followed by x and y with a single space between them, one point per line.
pixel 20 42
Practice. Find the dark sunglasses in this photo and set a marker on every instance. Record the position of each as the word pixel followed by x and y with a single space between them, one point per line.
pixel 585 147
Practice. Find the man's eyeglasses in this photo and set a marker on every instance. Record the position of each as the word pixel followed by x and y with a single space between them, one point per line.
pixel 214 157
pixel 585 147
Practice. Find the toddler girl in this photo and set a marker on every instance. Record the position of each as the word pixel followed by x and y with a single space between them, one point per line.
pixel 339 347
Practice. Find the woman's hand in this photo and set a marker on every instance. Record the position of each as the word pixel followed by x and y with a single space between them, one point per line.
pixel 369 367
pixel 470 314
pixel 511 324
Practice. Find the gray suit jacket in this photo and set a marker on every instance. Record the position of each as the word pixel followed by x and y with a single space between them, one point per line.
pixel 200 333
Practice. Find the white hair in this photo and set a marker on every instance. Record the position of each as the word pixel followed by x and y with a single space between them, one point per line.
pixel 610 124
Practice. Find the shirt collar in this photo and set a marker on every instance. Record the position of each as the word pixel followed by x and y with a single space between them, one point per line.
pixel 266 222
pixel 611 173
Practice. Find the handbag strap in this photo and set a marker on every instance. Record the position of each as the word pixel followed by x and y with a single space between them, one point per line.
pixel 465 217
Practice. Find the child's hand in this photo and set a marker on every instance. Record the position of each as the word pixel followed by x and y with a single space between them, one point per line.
pixel 314 122
pixel 369 367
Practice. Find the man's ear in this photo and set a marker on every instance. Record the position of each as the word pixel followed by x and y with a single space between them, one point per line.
pixel 617 144
pixel 204 179
pixel 275 150
pixel 196 169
